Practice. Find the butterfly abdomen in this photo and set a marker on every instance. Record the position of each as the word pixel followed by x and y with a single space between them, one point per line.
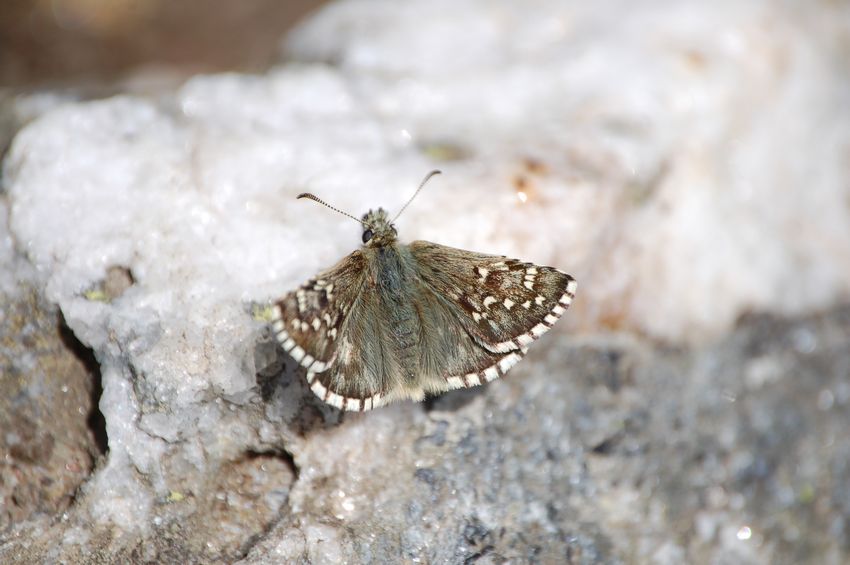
pixel 392 276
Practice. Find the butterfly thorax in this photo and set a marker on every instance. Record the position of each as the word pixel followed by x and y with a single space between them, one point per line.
pixel 377 229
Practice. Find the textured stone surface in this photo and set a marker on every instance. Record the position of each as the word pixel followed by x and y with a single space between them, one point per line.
pixel 610 450
pixel 638 153
pixel 607 450
pixel 47 411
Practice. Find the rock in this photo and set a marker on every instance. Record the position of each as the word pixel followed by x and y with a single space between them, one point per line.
pixel 662 421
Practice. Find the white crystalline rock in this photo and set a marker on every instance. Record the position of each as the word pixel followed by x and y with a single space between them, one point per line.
pixel 196 197
pixel 7 254
pixel 118 496
pixel 686 162
pixel 697 153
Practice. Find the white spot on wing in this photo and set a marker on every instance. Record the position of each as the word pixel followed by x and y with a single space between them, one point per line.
pixel 335 400
pixel 317 387
pixel 508 362
pixel 539 330
pixel 525 340
pixel 508 303
pixel 298 353
pixel 488 301
pixel 491 374
pixel 352 404
pixel 455 382
pixel 550 319
pixel 528 284
pixel 502 347
pixel 473 379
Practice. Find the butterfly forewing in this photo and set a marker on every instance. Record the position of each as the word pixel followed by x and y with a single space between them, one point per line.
pixel 504 304
pixel 308 321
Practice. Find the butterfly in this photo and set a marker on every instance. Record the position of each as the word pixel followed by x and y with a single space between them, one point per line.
pixel 393 321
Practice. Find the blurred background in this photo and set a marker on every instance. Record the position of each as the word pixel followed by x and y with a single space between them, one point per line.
pixel 94 42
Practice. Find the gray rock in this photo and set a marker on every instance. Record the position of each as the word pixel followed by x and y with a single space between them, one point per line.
pixel 608 450
pixel 147 415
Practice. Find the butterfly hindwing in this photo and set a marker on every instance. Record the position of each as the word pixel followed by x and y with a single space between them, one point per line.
pixel 356 376
pixel 451 357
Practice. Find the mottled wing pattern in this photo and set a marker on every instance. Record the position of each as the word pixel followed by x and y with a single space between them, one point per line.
pixel 503 305
pixel 450 357
pixel 475 316
pixel 326 326
pixel 355 377
pixel 308 321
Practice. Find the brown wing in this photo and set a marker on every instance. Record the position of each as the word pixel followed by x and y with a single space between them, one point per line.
pixel 308 320
pixel 329 326
pixel 505 304
pixel 356 376
pixel 478 314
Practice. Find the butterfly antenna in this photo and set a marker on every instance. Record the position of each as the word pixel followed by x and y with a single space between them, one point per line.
pixel 323 203
pixel 421 184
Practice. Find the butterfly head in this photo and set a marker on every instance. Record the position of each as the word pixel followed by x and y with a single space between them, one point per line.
pixel 377 229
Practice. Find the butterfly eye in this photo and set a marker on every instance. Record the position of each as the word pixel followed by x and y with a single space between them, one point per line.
pixel 367 235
